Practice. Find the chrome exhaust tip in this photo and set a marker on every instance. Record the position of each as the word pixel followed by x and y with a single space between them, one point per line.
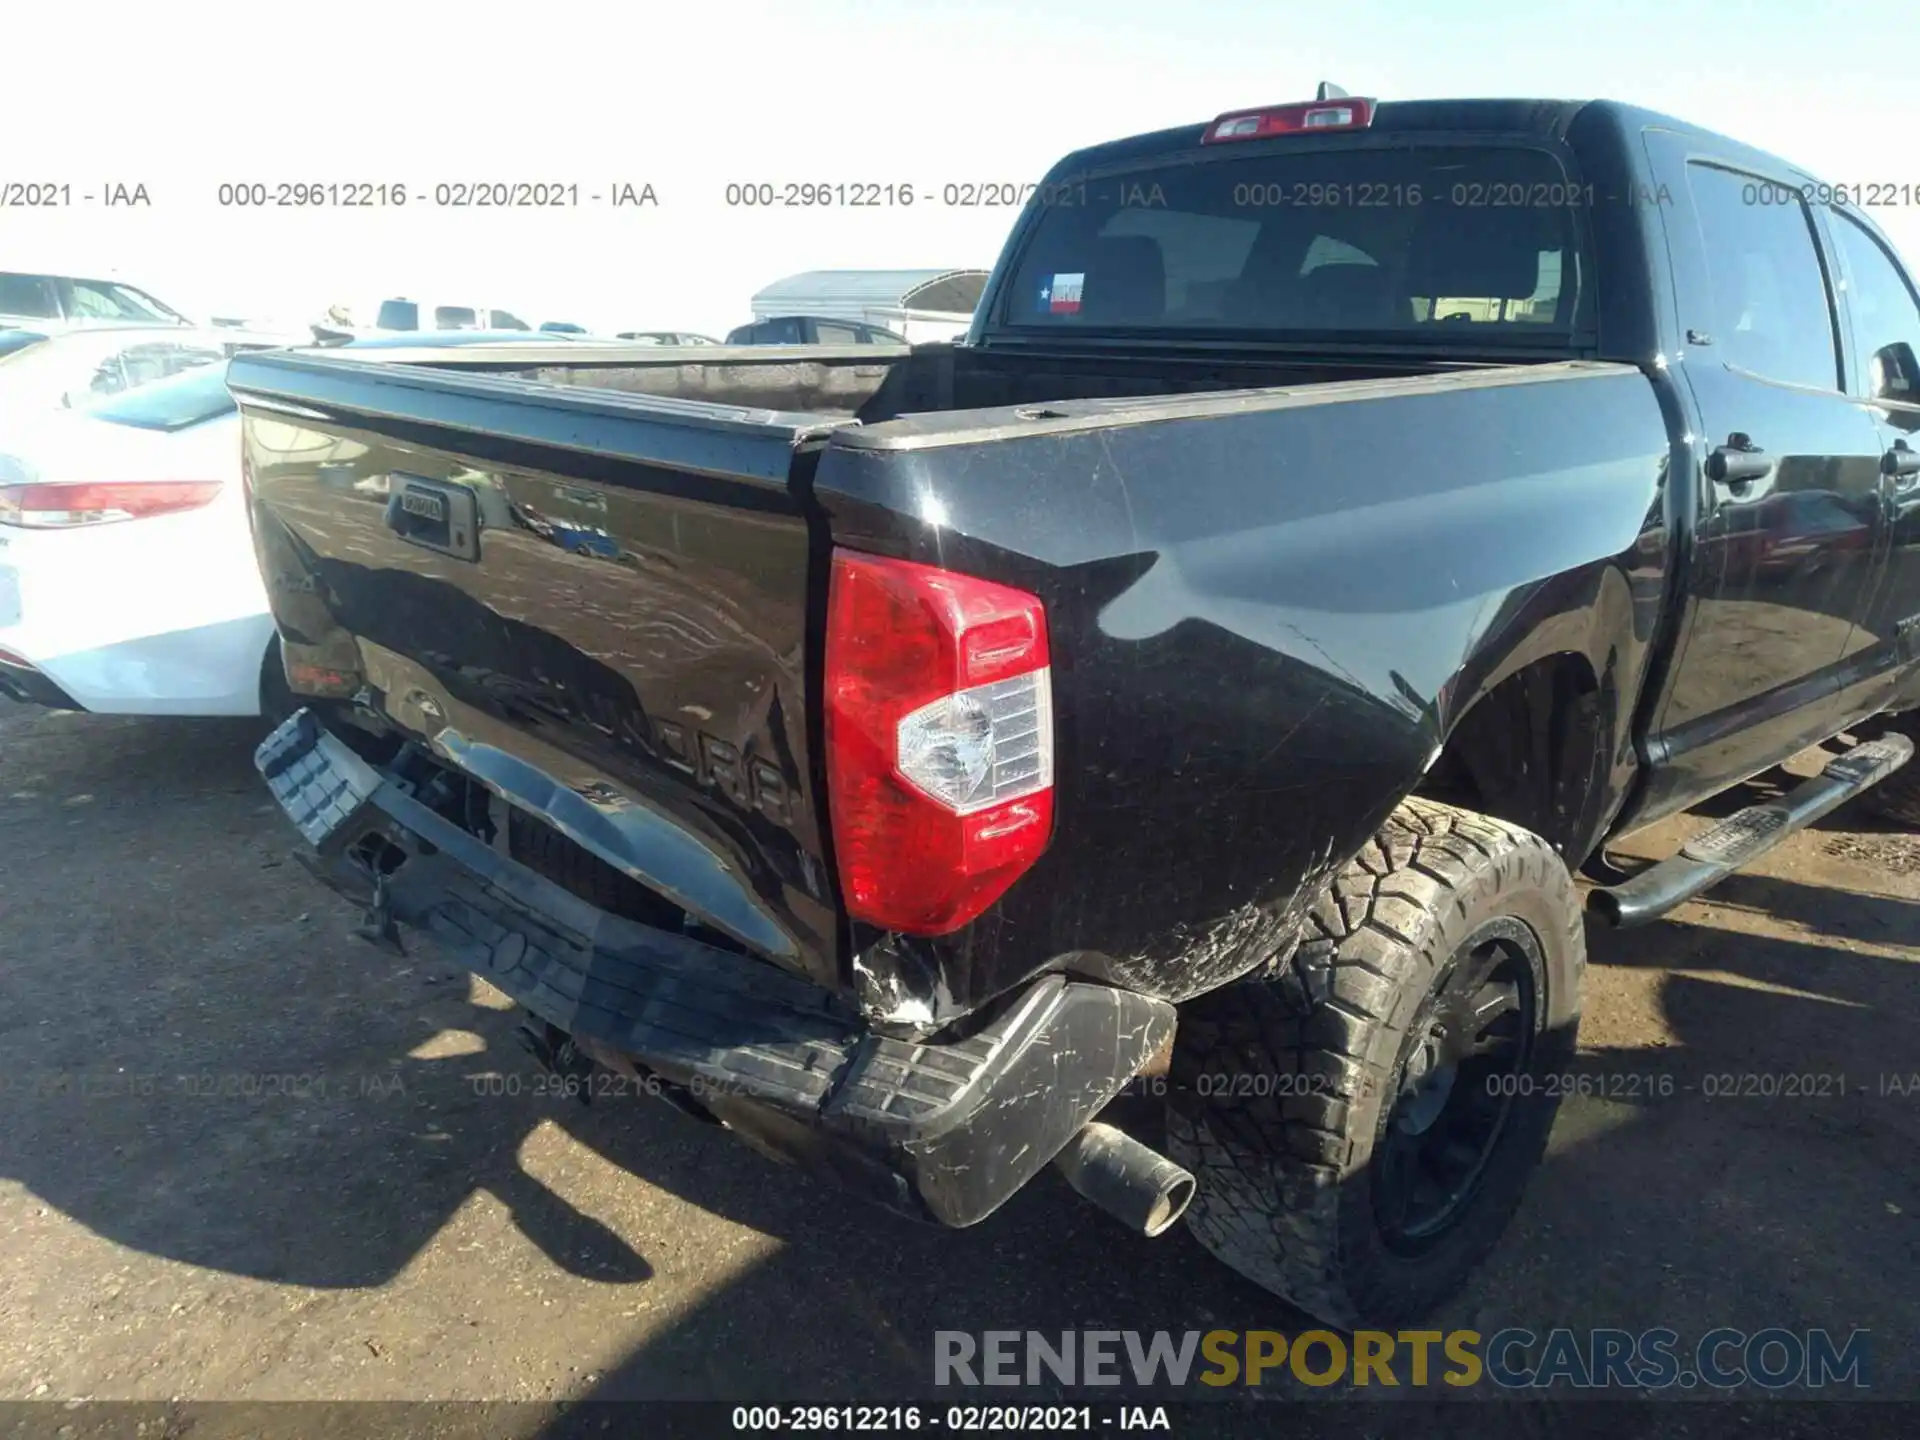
pixel 1138 1186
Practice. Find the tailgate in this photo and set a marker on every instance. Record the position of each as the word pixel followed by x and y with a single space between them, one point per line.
pixel 596 603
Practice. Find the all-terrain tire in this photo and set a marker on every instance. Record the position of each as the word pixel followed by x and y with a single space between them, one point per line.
pixel 1284 1085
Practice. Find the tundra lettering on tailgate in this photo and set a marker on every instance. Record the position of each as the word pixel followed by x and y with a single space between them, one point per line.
pixel 750 784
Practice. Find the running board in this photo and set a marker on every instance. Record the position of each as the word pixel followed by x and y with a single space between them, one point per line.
pixel 1745 835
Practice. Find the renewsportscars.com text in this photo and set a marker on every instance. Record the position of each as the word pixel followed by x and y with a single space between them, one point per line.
pixel 1514 1358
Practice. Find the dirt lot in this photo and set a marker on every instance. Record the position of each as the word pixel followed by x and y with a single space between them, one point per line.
pixel 176 1223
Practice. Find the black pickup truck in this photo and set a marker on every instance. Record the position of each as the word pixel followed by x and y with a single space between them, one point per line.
pixel 1343 520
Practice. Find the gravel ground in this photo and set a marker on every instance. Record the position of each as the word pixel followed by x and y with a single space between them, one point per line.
pixel 246 1156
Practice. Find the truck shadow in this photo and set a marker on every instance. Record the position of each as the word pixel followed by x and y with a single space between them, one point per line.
pixel 228 1085
pixel 1748 1167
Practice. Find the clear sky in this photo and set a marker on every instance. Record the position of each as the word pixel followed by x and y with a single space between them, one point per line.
pixel 692 97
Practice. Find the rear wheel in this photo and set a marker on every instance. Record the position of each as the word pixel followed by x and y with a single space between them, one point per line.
pixel 1362 1124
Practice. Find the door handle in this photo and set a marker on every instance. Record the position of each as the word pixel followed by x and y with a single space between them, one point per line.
pixel 1902 462
pixel 1738 463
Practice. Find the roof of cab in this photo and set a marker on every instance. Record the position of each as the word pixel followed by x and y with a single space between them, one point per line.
pixel 1546 118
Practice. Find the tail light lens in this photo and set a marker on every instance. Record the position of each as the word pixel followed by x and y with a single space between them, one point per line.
pixel 63 507
pixel 939 737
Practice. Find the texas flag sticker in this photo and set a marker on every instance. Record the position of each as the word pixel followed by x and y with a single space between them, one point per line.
pixel 1061 295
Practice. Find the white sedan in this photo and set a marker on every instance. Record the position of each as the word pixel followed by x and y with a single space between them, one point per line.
pixel 127 576
pixel 71 369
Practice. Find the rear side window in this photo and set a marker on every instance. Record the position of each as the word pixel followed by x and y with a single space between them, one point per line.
pixel 398 315
pixel 829 334
pixel 1772 314
pixel 454 317
pixel 779 332
pixel 1402 242
pixel 30 295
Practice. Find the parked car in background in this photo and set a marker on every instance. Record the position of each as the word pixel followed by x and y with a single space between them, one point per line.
pixel 1209 675
pixel 562 327
pixel 665 337
pixel 431 340
pixel 920 306
pixel 127 578
pixel 59 302
pixel 811 330
pixel 401 313
pixel 66 369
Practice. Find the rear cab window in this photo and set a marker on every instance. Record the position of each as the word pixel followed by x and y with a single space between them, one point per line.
pixel 1414 242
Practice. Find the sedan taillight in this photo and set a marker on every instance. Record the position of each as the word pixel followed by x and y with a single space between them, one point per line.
pixel 65 506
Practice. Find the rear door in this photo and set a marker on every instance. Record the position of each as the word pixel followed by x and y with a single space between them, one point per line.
pixel 1782 563
pixel 595 603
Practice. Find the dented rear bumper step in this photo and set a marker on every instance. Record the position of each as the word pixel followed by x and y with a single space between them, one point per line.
pixel 939 1132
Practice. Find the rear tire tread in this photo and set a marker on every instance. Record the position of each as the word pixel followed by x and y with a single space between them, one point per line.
pixel 1272 1168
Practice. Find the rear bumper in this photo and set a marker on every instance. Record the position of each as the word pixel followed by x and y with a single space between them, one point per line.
pixel 208 670
pixel 940 1132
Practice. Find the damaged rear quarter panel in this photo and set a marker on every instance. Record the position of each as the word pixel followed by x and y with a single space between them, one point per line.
pixel 1266 610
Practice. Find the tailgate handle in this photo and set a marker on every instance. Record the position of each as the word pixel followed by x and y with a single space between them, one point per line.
pixel 434 515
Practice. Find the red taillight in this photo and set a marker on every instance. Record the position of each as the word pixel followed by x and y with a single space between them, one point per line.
pixel 939 740
pixel 1342 114
pixel 61 507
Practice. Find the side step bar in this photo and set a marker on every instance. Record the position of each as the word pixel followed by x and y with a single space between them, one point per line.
pixel 1744 836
